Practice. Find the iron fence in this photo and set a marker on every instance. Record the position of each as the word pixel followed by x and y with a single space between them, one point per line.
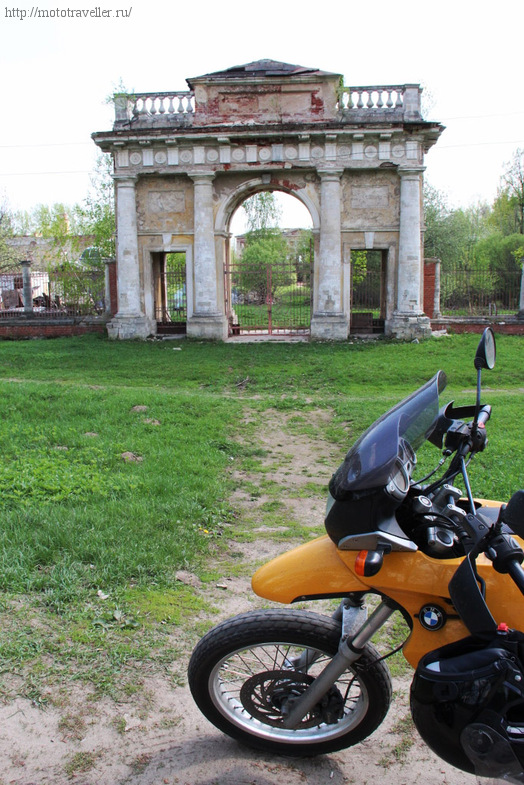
pixel 468 291
pixel 53 294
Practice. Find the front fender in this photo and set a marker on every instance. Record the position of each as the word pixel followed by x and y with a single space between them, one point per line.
pixel 311 571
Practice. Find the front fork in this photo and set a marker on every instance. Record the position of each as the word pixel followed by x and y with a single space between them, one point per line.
pixel 349 651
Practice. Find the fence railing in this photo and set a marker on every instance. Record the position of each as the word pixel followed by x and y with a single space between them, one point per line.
pixel 54 294
pixel 480 292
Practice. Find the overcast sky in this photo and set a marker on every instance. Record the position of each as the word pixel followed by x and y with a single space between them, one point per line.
pixel 56 75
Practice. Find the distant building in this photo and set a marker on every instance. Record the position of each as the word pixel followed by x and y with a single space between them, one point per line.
pixel 45 252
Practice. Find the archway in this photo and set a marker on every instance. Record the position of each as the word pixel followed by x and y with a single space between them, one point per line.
pixel 184 162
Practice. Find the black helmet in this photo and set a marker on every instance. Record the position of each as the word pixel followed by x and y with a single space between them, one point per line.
pixel 467 702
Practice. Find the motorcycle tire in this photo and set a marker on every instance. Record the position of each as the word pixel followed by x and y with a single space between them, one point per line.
pixel 244 670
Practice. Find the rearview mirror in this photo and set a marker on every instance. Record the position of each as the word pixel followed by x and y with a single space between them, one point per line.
pixel 486 352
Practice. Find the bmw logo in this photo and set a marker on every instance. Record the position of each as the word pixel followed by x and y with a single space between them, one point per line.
pixel 432 617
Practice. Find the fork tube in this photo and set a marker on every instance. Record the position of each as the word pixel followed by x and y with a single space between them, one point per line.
pixel 348 653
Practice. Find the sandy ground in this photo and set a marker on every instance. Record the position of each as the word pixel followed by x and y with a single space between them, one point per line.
pixel 160 738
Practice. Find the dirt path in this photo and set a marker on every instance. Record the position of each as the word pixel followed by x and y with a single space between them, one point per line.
pixel 158 737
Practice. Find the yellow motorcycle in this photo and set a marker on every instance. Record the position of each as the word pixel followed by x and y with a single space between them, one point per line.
pixel 299 683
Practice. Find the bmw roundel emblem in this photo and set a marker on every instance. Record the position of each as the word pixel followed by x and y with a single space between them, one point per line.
pixel 432 617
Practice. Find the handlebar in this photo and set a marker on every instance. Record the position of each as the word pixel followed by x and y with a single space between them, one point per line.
pixel 517 573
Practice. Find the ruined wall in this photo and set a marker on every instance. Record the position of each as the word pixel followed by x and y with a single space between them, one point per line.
pixel 219 103
pixel 164 204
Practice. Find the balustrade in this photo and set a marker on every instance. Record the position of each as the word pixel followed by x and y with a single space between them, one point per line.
pixel 154 106
pixel 359 102
pixel 376 100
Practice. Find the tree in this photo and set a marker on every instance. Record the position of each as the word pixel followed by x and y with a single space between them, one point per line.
pixel 262 212
pixel 263 265
pixel 96 216
pixel 451 234
pixel 513 187
pixel 68 227
pixel 304 254
pixel 8 256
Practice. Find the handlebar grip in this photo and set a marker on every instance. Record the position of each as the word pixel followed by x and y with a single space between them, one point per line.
pixel 484 415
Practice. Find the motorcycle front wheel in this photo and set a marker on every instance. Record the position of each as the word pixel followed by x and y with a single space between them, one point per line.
pixel 246 671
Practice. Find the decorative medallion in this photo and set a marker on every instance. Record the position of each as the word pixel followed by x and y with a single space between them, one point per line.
pixel 212 155
pixel 317 152
pixel 186 156
pixel 264 153
pixel 344 151
pixel 291 153
pixel 371 151
pixel 398 151
pixel 160 157
pixel 238 154
pixel 135 158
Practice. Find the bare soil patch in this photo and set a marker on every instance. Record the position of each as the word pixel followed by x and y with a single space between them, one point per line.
pixel 157 736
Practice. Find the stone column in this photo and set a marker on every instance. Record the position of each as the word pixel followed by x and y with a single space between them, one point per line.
pixel 129 321
pixel 27 289
pixel 409 320
pixel 329 322
pixel 207 320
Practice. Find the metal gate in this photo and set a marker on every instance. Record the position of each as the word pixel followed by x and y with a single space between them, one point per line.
pixel 268 299
pixel 170 293
pixel 368 282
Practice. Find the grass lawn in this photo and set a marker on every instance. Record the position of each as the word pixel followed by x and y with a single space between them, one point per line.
pixel 116 470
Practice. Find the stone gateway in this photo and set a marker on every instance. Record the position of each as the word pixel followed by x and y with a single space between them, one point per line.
pixel 185 161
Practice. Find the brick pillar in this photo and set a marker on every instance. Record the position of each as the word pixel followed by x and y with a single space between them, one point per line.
pixel 429 287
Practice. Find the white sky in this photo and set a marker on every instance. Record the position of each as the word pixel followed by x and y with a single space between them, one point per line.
pixel 56 75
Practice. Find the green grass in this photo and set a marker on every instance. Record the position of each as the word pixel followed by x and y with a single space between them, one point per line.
pixel 77 519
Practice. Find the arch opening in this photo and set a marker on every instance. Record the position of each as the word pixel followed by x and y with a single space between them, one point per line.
pixel 268 271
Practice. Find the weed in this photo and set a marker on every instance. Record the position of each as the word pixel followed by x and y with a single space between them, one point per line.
pixel 80 763
pixel 141 762
pixel 72 726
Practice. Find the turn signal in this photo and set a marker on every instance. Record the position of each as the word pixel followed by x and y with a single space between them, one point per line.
pixel 368 563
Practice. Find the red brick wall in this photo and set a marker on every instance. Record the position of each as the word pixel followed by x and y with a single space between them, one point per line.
pixel 506 328
pixel 17 331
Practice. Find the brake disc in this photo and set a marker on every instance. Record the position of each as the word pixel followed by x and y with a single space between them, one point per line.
pixel 268 697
